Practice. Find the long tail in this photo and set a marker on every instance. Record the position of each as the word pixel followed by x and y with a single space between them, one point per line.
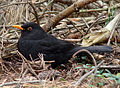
pixel 94 49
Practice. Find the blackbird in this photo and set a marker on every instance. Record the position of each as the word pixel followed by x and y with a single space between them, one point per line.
pixel 35 40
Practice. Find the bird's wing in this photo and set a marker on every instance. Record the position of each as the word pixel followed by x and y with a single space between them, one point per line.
pixel 43 46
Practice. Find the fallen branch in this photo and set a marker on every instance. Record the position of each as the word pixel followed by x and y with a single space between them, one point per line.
pixel 65 13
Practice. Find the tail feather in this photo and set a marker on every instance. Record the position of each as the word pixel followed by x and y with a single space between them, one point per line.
pixel 94 49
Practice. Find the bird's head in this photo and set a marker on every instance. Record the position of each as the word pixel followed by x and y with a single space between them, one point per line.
pixel 29 26
pixel 30 30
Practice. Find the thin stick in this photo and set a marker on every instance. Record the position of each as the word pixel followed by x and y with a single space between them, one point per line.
pixel 72 40
pixel 28 65
pixel 22 82
pixel 35 13
pixel 110 67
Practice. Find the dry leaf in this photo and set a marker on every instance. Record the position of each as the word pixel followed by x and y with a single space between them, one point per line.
pixel 33 1
pixel 98 56
pixel 101 35
pixel 116 61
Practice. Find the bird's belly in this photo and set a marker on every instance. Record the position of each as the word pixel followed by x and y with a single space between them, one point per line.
pixel 32 53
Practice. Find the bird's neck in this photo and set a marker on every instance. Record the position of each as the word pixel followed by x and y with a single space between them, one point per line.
pixel 34 35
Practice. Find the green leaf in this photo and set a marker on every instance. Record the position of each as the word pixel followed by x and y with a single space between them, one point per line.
pixel 62 79
pixel 98 75
pixel 108 71
pixel 92 86
pixel 92 67
pixel 107 74
pixel 99 71
pixel 85 66
pixel 115 76
pixel 88 64
pixel 101 84
pixel 86 70
pixel 77 58
pixel 84 57
pixel 118 81
pixel 118 74
pixel 77 67
pixel 80 63
pixel 112 78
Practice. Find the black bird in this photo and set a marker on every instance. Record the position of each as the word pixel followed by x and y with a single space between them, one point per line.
pixel 35 40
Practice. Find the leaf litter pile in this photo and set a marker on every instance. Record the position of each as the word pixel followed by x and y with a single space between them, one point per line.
pixel 89 23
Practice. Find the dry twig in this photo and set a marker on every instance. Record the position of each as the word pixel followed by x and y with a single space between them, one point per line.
pixel 16 82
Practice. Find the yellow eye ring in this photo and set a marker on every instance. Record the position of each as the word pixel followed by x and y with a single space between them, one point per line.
pixel 29 29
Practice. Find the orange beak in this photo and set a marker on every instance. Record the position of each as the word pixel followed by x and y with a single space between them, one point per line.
pixel 18 27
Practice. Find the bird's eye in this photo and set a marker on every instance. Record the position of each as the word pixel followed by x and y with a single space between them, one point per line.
pixel 29 29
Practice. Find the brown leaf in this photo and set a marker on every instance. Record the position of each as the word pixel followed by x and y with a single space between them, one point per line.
pixel 101 35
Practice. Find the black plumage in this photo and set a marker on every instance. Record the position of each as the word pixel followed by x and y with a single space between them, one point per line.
pixel 35 40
